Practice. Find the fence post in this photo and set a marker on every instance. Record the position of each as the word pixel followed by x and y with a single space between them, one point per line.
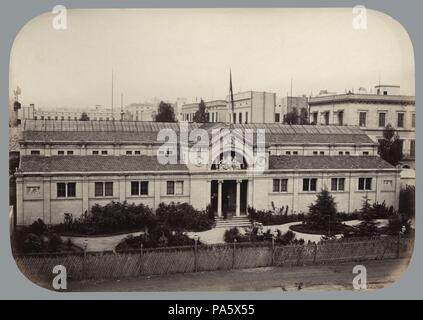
pixel 141 258
pixel 85 245
pixel 233 254
pixel 195 254
pixel 315 253
pixel 398 245
pixel 273 251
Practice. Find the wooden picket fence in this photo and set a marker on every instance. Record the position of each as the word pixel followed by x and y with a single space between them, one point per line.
pixel 159 261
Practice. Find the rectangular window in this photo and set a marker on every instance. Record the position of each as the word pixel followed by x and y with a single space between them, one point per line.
pixel 315 153
pixel 240 117
pixel 364 183
pixel 412 148
pixel 128 153
pixel 315 115
pixel 295 153
pixel 337 184
pixel 322 153
pixel 400 122
pixel 310 184
pixel 280 185
pixel 246 117
pixel 137 152
pixel 365 153
pixel 341 153
pixel 413 120
pixel 135 188
pixel 108 189
pixel 71 189
pixel 340 118
pixel 326 116
pixel 234 118
pixel 313 184
pixel 61 190
pixel 382 119
pixel 95 152
pixel 60 152
pixel 170 188
pixel 284 185
pixel 347 153
pixel 277 117
pixel 104 152
pixel 70 152
pixel 35 152
pixel 179 187
pixel 144 188
pixel 98 189
pixel 276 185
pixel 288 153
pixel 362 119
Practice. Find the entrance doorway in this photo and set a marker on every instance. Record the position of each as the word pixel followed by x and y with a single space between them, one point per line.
pixel 228 197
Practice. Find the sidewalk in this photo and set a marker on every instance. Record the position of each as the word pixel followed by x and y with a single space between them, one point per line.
pixel 279 279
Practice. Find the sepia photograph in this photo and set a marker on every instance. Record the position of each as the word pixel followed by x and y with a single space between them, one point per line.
pixel 200 149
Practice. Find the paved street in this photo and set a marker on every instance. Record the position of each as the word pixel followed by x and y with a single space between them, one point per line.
pixel 324 277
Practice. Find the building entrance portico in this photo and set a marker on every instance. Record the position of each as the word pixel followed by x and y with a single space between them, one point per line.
pixel 229 197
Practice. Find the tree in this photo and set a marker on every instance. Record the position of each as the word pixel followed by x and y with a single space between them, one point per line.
pixel 368 227
pixel 407 202
pixel 200 115
pixel 291 117
pixel 165 113
pixel 304 116
pixel 295 117
pixel 84 117
pixel 322 213
pixel 390 147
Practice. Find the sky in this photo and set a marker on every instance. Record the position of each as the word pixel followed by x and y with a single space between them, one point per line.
pixel 171 53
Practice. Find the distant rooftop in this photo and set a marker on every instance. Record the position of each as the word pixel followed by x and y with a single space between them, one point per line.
pixel 363 98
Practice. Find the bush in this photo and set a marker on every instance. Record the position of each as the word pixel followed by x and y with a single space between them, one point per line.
pixel 158 237
pixel 111 218
pixel 36 238
pixel 268 217
pixel 407 202
pixel 255 234
pixel 182 216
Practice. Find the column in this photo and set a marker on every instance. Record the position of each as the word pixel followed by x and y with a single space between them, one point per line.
pixel 219 198
pixel 238 197
pixel 250 193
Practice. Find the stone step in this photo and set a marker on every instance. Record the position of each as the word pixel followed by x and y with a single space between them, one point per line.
pixel 232 222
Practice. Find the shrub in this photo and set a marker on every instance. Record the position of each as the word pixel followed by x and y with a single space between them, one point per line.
pixel 36 238
pixel 158 237
pixel 268 218
pixel 182 216
pixel 111 218
pixel 407 202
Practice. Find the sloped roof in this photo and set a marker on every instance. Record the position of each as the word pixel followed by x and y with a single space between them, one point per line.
pixel 93 163
pixel 141 132
pixel 328 162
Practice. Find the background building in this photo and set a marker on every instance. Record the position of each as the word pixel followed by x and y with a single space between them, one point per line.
pixel 141 111
pixel 252 107
pixel 371 112
pixel 288 104
pixel 217 111
pixel 96 112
